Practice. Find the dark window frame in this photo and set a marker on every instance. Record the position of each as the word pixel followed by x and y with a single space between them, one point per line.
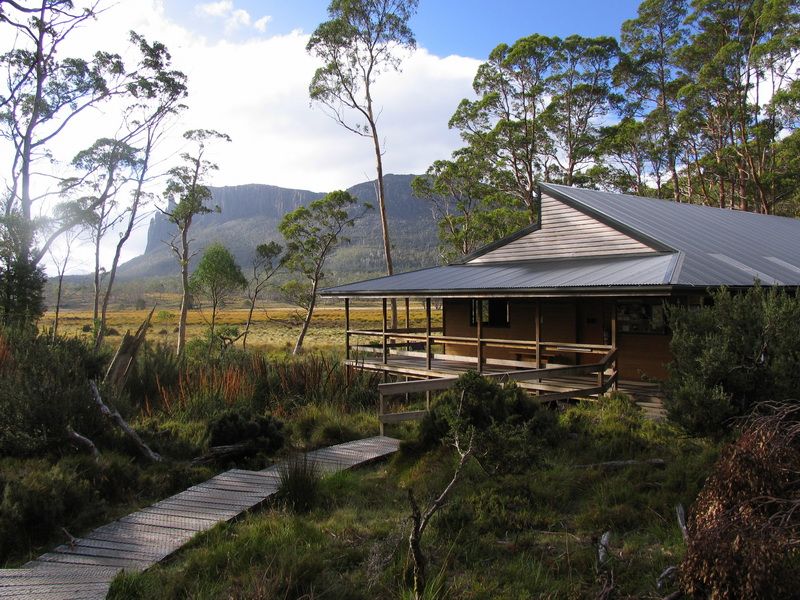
pixel 496 312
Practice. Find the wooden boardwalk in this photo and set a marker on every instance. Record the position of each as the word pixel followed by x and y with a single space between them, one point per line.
pixel 83 570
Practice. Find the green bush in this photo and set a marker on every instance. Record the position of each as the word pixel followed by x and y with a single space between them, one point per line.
pixel 727 357
pixel 44 387
pixel 474 402
pixel 238 426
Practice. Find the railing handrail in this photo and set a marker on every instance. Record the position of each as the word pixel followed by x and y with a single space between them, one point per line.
pixel 407 387
pixel 415 334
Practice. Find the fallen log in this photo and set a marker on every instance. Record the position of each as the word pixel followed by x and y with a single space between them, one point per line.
pixel 83 441
pixel 621 464
pixel 116 418
pixel 216 453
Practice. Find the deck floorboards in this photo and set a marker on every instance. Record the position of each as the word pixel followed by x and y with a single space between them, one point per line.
pixel 84 569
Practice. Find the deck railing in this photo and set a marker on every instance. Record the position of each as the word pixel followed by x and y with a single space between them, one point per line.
pixel 420 343
pixel 605 370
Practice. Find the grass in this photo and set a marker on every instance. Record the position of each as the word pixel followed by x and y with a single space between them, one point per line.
pixel 274 329
pixel 530 532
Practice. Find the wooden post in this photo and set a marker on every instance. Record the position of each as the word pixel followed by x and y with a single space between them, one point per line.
pixel 408 314
pixel 428 333
pixel 614 341
pixel 479 332
pixel 381 408
pixel 347 341
pixel 538 313
pixel 347 328
pixel 385 350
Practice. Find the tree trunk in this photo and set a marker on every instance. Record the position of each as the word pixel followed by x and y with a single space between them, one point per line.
pixel 122 240
pixel 299 344
pixel 387 246
pixel 249 319
pixel 185 287
pixel 58 303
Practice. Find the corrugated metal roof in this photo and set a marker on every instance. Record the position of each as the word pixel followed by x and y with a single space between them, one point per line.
pixel 703 235
pixel 595 272
pixel 700 247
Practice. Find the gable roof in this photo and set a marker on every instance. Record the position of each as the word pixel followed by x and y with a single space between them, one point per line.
pixel 716 246
pixel 614 242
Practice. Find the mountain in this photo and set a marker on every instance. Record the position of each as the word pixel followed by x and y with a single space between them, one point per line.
pixel 250 215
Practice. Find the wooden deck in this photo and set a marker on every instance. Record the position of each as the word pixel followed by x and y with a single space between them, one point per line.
pixel 83 570
pixel 646 394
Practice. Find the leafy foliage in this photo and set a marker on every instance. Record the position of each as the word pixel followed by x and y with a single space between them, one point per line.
pixel 727 357
pixel 44 388
pixel 312 233
pixel 237 426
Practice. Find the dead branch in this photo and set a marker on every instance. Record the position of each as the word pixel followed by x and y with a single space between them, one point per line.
pixel 83 441
pixel 118 370
pixel 621 464
pixel 117 419
pixel 602 549
pixel 420 520
pixel 681 514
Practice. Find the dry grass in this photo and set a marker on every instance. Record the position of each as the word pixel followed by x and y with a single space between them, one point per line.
pixel 273 328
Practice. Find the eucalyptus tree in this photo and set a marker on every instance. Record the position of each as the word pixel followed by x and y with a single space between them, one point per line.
pixel 504 125
pixel 361 40
pixel 650 78
pixel 104 170
pixel 742 97
pixel 312 233
pixel 188 196
pixel 470 212
pixel 108 188
pixel 43 94
pixel 581 91
pixel 266 262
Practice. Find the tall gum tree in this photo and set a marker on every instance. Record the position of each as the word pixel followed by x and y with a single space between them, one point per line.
pixel 188 197
pixel 361 39
pixel 312 233
pixel 648 75
pixel 503 127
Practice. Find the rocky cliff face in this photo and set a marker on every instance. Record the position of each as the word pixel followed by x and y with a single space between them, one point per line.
pixel 250 215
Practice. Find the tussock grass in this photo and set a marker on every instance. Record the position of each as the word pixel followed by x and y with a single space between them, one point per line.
pixel 528 532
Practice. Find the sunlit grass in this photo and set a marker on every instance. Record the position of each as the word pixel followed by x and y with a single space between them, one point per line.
pixel 273 328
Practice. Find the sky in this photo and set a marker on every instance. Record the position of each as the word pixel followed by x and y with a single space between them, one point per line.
pixel 249 72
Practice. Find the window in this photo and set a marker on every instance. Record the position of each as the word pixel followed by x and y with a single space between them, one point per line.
pixel 641 317
pixel 494 313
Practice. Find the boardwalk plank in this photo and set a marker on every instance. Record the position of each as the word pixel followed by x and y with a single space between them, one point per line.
pixel 84 570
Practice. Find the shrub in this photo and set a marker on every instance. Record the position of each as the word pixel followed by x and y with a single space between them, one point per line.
pixel 474 402
pixel 239 426
pixel 299 484
pixel 742 350
pixel 744 529
pixel 44 386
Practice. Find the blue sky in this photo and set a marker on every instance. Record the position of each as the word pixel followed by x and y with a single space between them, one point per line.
pixel 465 27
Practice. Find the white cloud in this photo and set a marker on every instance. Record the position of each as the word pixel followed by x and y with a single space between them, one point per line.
pixel 261 24
pixel 215 9
pixel 233 18
pixel 256 90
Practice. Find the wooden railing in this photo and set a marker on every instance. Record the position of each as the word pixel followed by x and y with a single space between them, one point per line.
pixel 605 370
pixel 419 342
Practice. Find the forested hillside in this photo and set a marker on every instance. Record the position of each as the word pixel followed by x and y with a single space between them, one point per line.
pixel 249 215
